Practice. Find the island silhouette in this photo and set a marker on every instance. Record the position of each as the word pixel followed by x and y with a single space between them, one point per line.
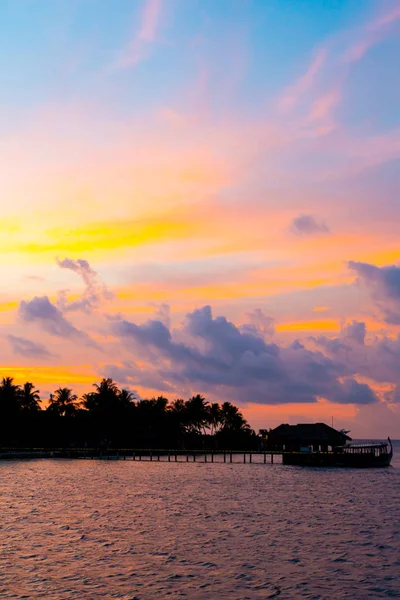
pixel 111 417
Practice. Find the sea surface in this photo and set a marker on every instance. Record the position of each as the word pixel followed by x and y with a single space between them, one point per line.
pixel 88 529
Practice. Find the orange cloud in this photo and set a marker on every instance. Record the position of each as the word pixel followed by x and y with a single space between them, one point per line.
pixel 306 326
pixel 8 306
pixel 50 376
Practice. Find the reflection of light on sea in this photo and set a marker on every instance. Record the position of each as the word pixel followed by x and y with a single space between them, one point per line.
pixel 103 529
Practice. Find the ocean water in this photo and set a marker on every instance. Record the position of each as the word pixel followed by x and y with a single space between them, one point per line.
pixel 139 530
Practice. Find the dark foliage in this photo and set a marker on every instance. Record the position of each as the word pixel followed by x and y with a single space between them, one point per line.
pixel 112 417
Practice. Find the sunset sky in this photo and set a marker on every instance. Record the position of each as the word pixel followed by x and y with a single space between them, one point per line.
pixel 202 196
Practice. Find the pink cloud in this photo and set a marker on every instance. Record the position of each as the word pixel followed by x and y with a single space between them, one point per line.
pixel 323 105
pixel 357 51
pixel 386 19
pixel 356 44
pixel 293 93
pixel 150 18
pixel 373 32
pixel 138 47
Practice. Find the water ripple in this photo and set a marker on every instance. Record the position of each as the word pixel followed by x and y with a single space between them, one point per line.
pixel 138 531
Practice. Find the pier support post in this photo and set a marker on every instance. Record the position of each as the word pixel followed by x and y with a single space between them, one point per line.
pixel 244 457
pixel 205 457
pixel 230 457
pixel 265 458
pixel 212 456
pixel 224 457
pixel 272 459
pixel 151 456
pixel 194 457
pixel 250 457
pixel 158 457
pixel 169 457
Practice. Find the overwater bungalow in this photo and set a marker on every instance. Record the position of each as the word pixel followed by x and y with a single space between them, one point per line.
pixel 317 437
pixel 318 445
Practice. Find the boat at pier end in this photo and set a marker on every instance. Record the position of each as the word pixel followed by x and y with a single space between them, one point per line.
pixel 377 454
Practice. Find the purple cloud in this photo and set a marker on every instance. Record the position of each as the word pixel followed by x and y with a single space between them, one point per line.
pixel 217 354
pixel 353 392
pixel 80 266
pixel 94 293
pixel 130 374
pixel 384 286
pixel 40 310
pixel 307 225
pixel 259 323
pixel 355 331
pixel 27 348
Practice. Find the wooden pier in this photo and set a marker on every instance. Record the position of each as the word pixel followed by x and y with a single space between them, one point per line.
pixel 150 455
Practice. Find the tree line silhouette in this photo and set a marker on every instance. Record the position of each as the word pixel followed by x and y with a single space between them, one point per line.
pixel 112 417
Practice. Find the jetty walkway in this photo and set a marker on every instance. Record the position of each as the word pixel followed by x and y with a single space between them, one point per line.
pixel 158 455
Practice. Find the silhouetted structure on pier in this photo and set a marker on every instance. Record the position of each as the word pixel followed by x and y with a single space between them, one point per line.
pixel 316 436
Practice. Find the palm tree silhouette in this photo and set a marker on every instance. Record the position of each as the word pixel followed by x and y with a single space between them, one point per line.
pixel 107 399
pixel 126 398
pixel 63 402
pixel 197 409
pixel 106 387
pixel 232 419
pixel 214 417
pixel 9 396
pixel 180 415
pixel 29 398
